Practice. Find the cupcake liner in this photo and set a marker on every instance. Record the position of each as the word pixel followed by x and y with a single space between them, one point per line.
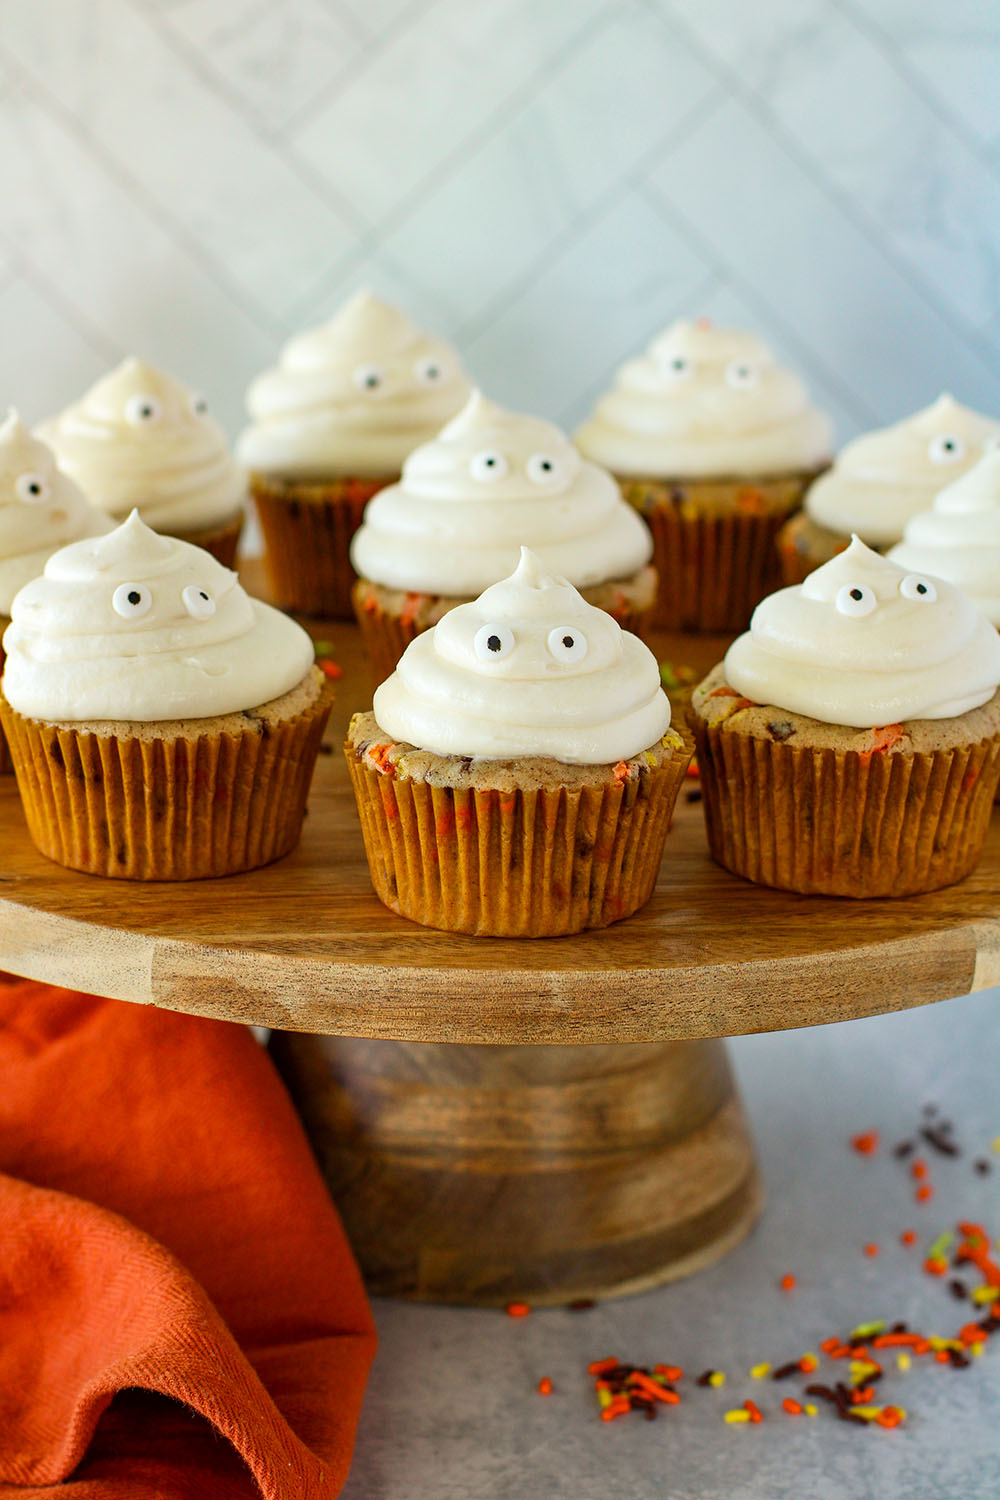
pixel 307 528
pixel 6 764
pixel 221 541
pixel 714 545
pixel 529 863
pixel 831 822
pixel 803 546
pixel 180 808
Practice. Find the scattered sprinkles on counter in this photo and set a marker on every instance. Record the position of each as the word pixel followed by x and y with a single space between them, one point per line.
pixel 325 661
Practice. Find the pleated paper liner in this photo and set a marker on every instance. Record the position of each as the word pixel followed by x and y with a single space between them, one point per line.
pixel 832 822
pixel 804 546
pixel 6 765
pixel 221 541
pixel 180 808
pixel 307 528
pixel 714 545
pixel 526 863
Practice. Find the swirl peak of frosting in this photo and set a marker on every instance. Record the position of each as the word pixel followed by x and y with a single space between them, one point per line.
pixel 959 537
pixel 705 402
pixel 141 439
pixel 528 669
pixel 489 481
pixel 136 626
pixel 41 509
pixel 866 643
pixel 883 479
pixel 354 396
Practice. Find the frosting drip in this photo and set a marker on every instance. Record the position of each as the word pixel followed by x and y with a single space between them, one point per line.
pixel 864 643
pixel 959 537
pixel 528 669
pixel 41 509
pixel 141 627
pixel 705 402
pixel 488 482
pixel 141 440
pixel 352 397
pixel 883 479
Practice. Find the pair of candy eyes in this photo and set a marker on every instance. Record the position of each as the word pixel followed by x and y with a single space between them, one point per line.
pixel 133 600
pixel 541 468
pixel 144 411
pixel 858 600
pixel 494 642
pixel 740 375
pixel 371 378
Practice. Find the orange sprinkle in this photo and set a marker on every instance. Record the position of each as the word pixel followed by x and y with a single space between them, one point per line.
pixel 889 1416
pixel 330 669
pixel 908 1237
pixel 971 1231
pixel 620 772
pixel 883 739
pixel 754 1410
pixel 599 1366
pixel 669 1372
pixel 861 1398
pixel 807 1364
pixel 936 1265
pixel 794 1408
pixel 919 1170
pixel 545 1386
pixel 829 1345
pixel 518 1309
pixel 651 1388
pixel 619 1406
pixel 899 1340
pixel 866 1143
pixel 942 1356
pixel 871 1250
pixel 977 1255
pixel 924 1193
pixel 788 1283
pixel 971 1333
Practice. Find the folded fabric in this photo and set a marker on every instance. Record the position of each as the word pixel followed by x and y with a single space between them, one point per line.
pixel 180 1315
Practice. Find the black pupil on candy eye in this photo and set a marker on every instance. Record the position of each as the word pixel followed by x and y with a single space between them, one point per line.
pixel 546 465
pixel 491 463
pixel 432 372
pixel 568 642
pixel 134 597
pixel 145 411
pixel 921 588
pixel 34 488
pixel 202 594
pixel 857 594
pixel 371 381
pixel 678 364
pixel 494 642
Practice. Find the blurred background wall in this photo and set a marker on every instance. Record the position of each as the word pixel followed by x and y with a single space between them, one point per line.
pixel 548 182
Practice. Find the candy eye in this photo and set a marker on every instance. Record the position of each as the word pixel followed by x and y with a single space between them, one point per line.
pixel 741 376
pixel 199 406
pixel 488 465
pixel 542 468
pixel 429 371
pixel 493 642
pixel 131 601
pixel 567 644
pixel 916 586
pixel 856 599
pixel 32 489
pixel 946 449
pixel 677 369
pixel 142 410
pixel 198 602
pixel 369 378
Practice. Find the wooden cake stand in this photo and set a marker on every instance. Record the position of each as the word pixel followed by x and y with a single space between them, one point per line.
pixel 499 1119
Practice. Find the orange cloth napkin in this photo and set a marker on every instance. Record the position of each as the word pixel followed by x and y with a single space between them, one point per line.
pixel 165 1233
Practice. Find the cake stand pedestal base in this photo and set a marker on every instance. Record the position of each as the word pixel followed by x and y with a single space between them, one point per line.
pixel 491 1174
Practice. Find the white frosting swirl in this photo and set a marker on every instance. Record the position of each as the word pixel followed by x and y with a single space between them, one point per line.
pixel 864 643
pixel 141 440
pixel 353 397
pixel 883 479
pixel 530 668
pixel 142 627
pixel 41 509
pixel 705 402
pixel 959 537
pixel 488 482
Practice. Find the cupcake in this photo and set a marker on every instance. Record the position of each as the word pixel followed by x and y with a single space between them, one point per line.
pixel 517 774
pixel 849 744
pixel 41 509
pixel 139 440
pixel 881 481
pixel 714 444
pixel 162 725
pixel 959 537
pixel 332 425
pixel 455 523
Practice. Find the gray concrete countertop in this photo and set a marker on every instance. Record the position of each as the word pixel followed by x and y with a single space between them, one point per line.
pixel 453 1412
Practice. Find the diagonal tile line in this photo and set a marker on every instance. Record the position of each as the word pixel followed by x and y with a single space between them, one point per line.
pixel 671 139
pixel 808 356
pixel 975 341
pixel 55 298
pixel 345 14
pixel 71 125
pixel 875 33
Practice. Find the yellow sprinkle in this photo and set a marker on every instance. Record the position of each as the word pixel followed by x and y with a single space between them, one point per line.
pixel 939 1343
pixel 759 1371
pixel 717 1378
pixel 860 1369
pixel 810 1410
pixel 984 1294
pixel 737 1415
pixel 903 1362
pixel 604 1399
pixel 866 1411
pixel 976 1349
pixel 996 1143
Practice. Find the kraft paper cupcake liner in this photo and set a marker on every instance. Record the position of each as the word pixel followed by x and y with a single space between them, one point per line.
pixel 179 808
pixel 803 546
pixel 221 541
pixel 6 764
pixel 542 862
pixel 821 821
pixel 307 529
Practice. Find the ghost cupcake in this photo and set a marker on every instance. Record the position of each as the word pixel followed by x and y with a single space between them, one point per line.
pixel 959 537
pixel 714 444
pixel 331 425
pixel 518 771
pixel 455 523
pixel 849 744
pixel 881 481
pixel 140 440
pixel 162 725
pixel 41 509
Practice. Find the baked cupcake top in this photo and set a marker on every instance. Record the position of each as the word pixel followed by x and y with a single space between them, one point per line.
pixel 41 509
pixel 959 537
pixel 489 481
pixel 883 479
pixel 528 669
pixel 136 626
pixel 705 402
pixel 864 642
pixel 352 397
pixel 139 439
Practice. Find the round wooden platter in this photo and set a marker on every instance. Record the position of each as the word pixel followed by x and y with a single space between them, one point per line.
pixel 305 946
